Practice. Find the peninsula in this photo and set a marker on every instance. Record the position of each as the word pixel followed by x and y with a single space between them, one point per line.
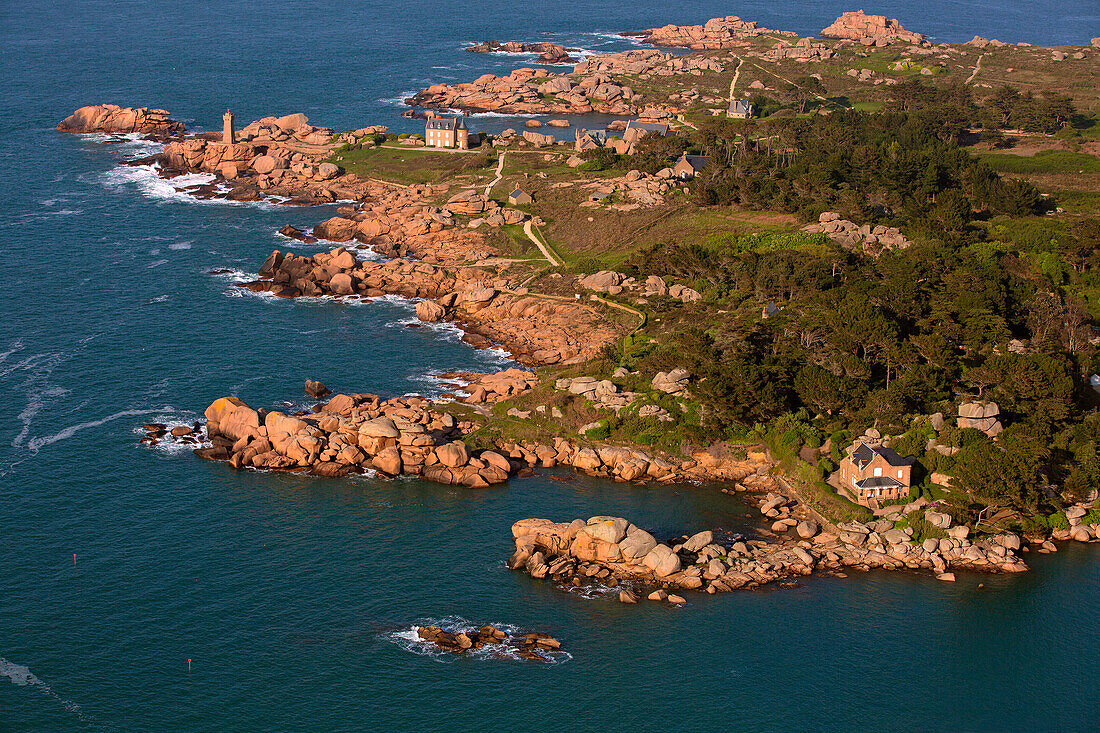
pixel 852 278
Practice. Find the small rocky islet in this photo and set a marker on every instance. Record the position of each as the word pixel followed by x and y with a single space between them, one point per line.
pixel 532 646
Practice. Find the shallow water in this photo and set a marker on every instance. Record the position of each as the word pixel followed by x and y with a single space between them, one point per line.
pixel 286 592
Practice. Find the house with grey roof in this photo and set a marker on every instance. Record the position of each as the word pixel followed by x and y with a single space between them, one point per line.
pixel 446 132
pixel 740 109
pixel 876 475
pixel 688 166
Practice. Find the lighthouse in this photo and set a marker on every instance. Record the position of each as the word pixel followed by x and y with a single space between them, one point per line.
pixel 228 136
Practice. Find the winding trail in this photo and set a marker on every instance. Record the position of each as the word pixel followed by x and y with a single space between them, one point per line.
pixel 736 76
pixel 977 68
pixel 537 240
pixel 500 174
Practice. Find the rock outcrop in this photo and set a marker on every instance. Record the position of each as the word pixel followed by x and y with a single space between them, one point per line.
pixel 401 436
pixel 727 32
pixel 536 331
pixel 612 551
pixel 869 239
pixel 984 416
pixel 112 118
pixel 869 30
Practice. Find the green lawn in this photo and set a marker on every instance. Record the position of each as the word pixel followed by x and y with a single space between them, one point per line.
pixel 415 165
pixel 1047 161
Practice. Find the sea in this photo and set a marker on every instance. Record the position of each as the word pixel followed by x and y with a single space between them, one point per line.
pixel 142 589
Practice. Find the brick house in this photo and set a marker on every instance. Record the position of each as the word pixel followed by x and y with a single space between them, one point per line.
pixel 877 476
pixel 446 132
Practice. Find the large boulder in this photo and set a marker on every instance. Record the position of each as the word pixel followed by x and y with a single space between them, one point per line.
pixel 662 561
pixel 608 529
pixel 637 544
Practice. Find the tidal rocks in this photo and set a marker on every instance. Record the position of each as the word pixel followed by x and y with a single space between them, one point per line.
pixel 112 118
pixel 550 53
pixel 532 646
pixel 317 390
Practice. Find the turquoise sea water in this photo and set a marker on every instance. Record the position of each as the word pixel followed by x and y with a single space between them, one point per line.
pixel 290 595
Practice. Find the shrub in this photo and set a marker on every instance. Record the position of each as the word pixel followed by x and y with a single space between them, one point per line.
pixel 602 432
pixel 1058 521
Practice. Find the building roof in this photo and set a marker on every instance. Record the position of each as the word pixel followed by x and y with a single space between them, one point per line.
pixel 598 135
pixel 659 128
pixel 864 454
pixel 697 162
pixel 879 482
pixel 445 123
pixel 741 106
pixel 517 193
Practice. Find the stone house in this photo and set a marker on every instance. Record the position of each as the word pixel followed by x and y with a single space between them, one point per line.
pixel 877 476
pixel 519 197
pixel 446 132
pixel 588 140
pixel 740 109
pixel 687 166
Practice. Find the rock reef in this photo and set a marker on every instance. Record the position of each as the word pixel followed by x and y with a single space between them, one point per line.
pixel 111 118
pixel 550 53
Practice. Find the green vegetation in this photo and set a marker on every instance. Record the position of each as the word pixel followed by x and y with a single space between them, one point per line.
pixel 1046 161
pixel 411 165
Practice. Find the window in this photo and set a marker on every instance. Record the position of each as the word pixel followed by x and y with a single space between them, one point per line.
pixel 899 473
pixel 878 472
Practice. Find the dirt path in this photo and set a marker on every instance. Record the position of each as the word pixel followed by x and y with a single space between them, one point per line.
pixel 977 68
pixel 500 174
pixel 538 242
pixel 736 76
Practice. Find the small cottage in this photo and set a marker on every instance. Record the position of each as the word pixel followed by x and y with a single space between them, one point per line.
pixel 876 475
pixel 520 197
pixel 740 109
pixel 687 166
pixel 588 140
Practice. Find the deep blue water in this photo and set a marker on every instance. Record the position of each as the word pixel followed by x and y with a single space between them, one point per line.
pixel 286 592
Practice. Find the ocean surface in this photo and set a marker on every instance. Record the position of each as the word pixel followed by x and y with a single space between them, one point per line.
pixel 292 598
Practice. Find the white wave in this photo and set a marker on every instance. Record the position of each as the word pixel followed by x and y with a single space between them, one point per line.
pixel 167 444
pixel 21 676
pixel 159 299
pixel 399 100
pixel 180 245
pixel 147 180
pixel 18 674
pixel 157 263
pixel 34 444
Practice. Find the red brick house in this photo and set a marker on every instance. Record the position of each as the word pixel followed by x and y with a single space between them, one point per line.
pixel 877 476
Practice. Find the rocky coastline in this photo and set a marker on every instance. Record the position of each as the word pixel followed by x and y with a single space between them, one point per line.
pixel 612 551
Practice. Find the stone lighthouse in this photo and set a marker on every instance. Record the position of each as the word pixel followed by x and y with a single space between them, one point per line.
pixel 228 136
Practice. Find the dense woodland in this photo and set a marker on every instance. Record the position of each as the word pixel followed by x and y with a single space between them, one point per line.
pixel 887 341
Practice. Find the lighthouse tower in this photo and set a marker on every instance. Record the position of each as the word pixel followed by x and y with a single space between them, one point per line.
pixel 228 136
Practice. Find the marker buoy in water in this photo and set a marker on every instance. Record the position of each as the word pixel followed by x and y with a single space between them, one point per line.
pixel 188 665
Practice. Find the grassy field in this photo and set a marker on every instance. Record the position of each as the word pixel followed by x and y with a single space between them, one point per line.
pixel 1047 161
pixel 415 165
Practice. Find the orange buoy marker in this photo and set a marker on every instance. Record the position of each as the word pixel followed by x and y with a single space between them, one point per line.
pixel 74 559
pixel 188 665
